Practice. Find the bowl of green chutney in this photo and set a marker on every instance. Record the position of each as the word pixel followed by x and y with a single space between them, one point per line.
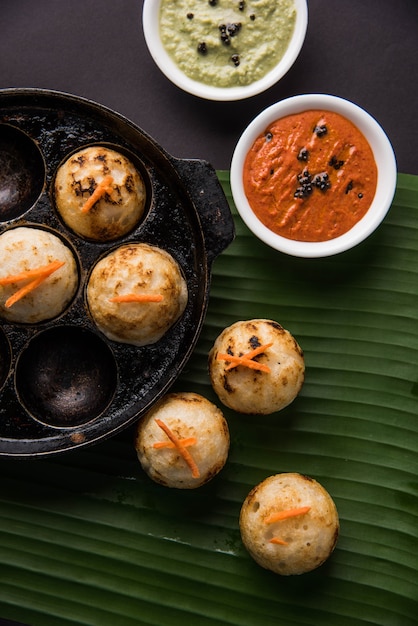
pixel 224 51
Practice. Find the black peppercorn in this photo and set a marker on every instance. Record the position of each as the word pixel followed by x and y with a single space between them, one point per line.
pixel 190 16
pixel 224 35
pixel 304 178
pixel 269 136
pixel 213 3
pixel 303 155
pixel 252 17
pixel 320 131
pixel 202 48
pixel 303 191
pixel 235 59
pixel 241 5
pixel 233 29
pixel 349 187
pixel 335 163
pixel 305 185
pixel 321 181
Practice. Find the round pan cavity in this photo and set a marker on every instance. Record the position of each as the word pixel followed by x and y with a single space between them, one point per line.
pixel 66 376
pixel 186 215
pixel 22 172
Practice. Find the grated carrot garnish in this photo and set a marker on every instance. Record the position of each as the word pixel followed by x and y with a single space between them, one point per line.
pixel 28 274
pixel 281 515
pixel 180 447
pixel 280 542
pixel 246 359
pixel 103 187
pixel 35 277
pixel 189 441
pixel 239 360
pixel 137 297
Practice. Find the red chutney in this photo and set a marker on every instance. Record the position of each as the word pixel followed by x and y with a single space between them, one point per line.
pixel 310 176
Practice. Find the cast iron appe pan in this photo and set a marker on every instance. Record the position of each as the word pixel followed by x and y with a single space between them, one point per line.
pixel 63 385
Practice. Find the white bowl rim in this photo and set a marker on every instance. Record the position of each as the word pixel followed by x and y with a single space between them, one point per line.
pixel 385 161
pixel 150 24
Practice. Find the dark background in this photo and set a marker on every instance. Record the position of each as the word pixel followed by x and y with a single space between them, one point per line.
pixel 362 50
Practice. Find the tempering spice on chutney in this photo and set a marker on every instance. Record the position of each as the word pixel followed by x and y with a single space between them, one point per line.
pixel 310 176
pixel 226 43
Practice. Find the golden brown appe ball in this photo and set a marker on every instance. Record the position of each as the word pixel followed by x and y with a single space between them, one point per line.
pixel 289 524
pixel 273 349
pixel 99 193
pixel 198 425
pixel 27 250
pixel 136 293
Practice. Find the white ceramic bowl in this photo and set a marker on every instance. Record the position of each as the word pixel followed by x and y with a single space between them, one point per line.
pixel 151 28
pixel 383 154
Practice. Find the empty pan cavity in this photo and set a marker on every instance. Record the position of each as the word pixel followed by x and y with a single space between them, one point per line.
pixel 66 376
pixel 22 172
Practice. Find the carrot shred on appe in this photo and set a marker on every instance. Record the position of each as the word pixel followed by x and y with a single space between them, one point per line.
pixel 137 297
pixel 246 359
pixel 35 277
pixel 281 515
pixel 237 360
pixel 178 443
pixel 103 187
pixel 278 541
pixel 189 441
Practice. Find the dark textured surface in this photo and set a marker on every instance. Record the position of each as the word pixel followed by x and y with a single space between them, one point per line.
pixel 366 51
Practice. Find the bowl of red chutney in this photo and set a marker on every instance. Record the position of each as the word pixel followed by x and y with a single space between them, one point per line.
pixel 224 51
pixel 313 175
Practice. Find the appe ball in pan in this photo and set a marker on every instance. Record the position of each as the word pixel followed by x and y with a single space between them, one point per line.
pixel 195 424
pixel 99 193
pixel 136 293
pixel 38 275
pixel 289 524
pixel 270 375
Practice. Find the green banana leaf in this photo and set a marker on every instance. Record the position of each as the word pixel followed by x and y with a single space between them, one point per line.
pixel 87 539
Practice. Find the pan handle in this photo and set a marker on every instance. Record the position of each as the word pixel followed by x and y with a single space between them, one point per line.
pixel 206 192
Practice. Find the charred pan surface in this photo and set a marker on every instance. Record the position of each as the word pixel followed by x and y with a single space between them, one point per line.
pixel 186 214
